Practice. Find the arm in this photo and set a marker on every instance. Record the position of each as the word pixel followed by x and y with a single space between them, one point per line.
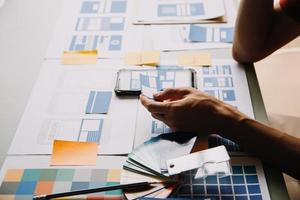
pixel 261 29
pixel 190 110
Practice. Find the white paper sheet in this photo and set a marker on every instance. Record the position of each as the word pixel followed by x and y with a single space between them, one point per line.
pixel 56 110
pixel 96 25
pixel 174 37
pixel 178 11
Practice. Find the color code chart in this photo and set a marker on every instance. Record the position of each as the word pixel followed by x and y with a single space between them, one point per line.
pixel 243 184
pixel 24 183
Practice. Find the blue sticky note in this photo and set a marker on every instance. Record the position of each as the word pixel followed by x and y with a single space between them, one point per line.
pixel 98 102
pixel 197 33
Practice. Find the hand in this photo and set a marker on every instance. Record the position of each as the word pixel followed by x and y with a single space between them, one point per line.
pixel 189 110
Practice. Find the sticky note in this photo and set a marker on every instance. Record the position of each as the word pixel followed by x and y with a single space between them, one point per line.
pixel 74 153
pixel 142 58
pixel 79 57
pixel 195 59
pixel 98 102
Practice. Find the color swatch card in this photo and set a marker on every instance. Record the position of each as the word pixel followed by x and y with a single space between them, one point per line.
pixel 191 11
pixel 148 162
pixel 104 26
pixel 77 104
pixel 23 177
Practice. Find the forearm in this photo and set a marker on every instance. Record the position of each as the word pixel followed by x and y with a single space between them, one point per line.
pixel 274 147
pixel 261 29
pixel 252 27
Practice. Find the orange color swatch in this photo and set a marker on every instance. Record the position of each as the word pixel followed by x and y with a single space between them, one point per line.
pixel 44 187
pixel 13 175
pixel 79 57
pixel 74 153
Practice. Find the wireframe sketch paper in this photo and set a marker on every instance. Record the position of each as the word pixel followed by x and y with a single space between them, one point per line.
pixel 95 25
pixel 180 11
pixel 177 37
pixel 77 103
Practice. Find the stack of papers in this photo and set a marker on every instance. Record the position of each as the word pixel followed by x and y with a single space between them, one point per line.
pixel 148 163
pixel 180 11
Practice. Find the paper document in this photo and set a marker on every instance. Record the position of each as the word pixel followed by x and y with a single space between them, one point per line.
pixel 179 11
pixel 178 37
pixel 77 103
pixel 104 25
pixel 247 182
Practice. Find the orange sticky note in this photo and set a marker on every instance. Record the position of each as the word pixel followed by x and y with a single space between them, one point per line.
pixel 79 57
pixel 142 58
pixel 195 59
pixel 74 153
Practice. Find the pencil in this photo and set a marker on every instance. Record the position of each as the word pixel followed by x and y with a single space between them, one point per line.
pixel 94 190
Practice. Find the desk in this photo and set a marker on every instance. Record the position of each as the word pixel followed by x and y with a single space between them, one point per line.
pixel 25 33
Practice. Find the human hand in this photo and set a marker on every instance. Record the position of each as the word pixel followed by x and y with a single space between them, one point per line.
pixel 189 110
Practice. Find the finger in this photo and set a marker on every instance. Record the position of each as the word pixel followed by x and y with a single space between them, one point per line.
pixel 171 94
pixel 160 117
pixel 154 106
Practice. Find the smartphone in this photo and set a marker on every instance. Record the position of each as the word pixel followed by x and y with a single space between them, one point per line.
pixel 128 80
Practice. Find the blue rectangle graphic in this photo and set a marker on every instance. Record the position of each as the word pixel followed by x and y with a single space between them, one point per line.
pixel 98 102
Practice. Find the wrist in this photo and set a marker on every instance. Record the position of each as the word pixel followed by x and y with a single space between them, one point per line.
pixel 231 120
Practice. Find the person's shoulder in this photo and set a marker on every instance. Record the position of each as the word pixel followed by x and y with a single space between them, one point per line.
pixel 291 8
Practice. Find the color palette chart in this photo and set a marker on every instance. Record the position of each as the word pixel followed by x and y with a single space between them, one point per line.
pixel 24 183
pixel 243 184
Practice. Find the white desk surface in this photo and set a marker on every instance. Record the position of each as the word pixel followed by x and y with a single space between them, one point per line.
pixel 25 31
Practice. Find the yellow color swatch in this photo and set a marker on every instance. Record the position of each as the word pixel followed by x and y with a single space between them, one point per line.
pixel 195 59
pixel 79 57
pixel 74 153
pixel 114 175
pixel 13 175
pixel 142 58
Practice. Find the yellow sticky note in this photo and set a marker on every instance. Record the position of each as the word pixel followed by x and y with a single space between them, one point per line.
pixel 195 59
pixel 150 57
pixel 79 57
pixel 74 153
pixel 142 58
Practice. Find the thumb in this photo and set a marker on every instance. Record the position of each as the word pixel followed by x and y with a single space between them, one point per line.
pixel 171 94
